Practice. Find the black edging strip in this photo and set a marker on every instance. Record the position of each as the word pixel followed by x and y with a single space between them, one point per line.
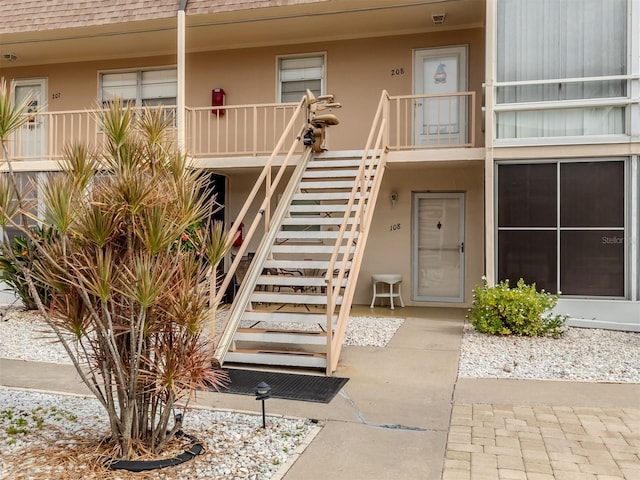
pixel 144 465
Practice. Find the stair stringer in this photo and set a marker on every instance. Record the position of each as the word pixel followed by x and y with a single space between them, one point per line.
pixel 371 166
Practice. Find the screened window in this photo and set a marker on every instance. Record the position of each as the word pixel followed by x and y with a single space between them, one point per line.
pixel 297 74
pixel 562 226
pixel 541 40
pixel 143 88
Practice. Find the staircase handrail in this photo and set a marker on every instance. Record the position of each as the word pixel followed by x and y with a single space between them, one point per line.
pixel 373 157
pixel 271 223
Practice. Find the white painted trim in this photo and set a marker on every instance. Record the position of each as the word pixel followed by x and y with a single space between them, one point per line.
pixel 607 314
pixel 323 80
pixel 181 86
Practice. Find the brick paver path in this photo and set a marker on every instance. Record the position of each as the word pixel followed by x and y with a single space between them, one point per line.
pixel 494 442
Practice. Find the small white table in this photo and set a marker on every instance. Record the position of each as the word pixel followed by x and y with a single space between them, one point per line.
pixel 390 279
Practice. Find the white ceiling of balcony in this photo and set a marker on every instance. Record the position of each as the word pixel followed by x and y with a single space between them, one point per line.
pixel 309 22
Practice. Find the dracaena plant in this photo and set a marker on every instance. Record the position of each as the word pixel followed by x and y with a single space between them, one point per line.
pixel 131 310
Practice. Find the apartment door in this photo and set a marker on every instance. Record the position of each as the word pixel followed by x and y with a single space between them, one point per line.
pixel 438 247
pixel 31 139
pixel 440 119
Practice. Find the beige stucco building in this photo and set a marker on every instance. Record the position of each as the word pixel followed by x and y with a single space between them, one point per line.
pixel 512 140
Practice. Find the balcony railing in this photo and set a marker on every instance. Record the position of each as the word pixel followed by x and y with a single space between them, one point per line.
pixel 432 121
pixel 237 130
pixel 414 122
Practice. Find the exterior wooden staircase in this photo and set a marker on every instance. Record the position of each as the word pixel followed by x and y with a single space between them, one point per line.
pixel 292 307
pixel 286 321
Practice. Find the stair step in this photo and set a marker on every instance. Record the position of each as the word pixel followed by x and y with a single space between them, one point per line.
pixel 277 357
pixel 287 317
pixel 324 196
pixel 330 173
pixel 290 281
pixel 292 298
pixel 310 249
pixel 330 184
pixel 316 221
pixel 302 265
pixel 309 235
pixel 293 281
pixel 321 208
pixel 264 335
pixel 348 162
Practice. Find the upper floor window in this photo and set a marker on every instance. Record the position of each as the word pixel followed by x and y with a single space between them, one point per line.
pixel 143 88
pixel 299 73
pixel 561 52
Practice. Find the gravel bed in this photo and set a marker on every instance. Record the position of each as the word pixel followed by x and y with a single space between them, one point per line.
pixel 582 354
pixel 236 445
pixel 24 336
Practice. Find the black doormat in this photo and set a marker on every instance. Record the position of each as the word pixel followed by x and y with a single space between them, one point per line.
pixel 289 386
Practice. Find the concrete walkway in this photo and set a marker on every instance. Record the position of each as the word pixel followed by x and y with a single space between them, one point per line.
pixel 404 414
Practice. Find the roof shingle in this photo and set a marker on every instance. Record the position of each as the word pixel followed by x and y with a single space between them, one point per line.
pixel 36 15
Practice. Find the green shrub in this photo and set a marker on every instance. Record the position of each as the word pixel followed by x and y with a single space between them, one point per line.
pixel 25 256
pixel 521 310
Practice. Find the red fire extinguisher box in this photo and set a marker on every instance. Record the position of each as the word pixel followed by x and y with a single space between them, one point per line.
pixel 217 100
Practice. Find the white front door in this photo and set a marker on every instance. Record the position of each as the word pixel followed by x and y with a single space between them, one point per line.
pixel 31 139
pixel 438 247
pixel 442 119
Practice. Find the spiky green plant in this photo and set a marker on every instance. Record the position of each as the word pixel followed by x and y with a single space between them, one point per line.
pixel 136 305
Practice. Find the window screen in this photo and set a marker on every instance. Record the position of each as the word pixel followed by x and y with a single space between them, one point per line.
pixel 562 226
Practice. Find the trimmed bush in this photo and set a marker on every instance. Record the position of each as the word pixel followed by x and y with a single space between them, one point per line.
pixel 519 310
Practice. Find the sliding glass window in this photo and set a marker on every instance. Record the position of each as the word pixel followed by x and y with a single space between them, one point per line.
pixel 553 60
pixel 562 225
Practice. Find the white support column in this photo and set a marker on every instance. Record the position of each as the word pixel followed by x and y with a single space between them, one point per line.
pixel 181 101
pixel 489 135
pixel 634 228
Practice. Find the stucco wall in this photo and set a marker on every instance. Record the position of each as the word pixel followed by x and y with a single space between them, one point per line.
pixel 389 250
pixel 357 72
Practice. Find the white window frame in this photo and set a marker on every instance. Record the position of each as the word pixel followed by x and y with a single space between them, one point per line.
pixel 279 81
pixel 139 73
pixel 629 102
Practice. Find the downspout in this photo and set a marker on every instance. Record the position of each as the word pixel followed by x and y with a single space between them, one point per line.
pixel 181 100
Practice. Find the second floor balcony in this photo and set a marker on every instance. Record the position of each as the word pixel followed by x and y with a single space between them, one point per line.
pixel 412 123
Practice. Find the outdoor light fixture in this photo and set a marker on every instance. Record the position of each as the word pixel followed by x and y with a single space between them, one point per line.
pixel 263 392
pixel 438 19
pixel 9 57
pixel 394 197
